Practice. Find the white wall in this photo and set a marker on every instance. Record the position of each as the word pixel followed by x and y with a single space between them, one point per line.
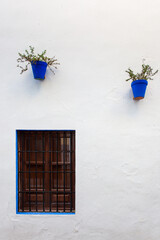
pixel 118 153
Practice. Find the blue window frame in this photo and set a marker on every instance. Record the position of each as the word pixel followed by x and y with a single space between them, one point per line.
pixel 45 171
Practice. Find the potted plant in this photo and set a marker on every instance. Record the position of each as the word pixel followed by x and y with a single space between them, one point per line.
pixel 39 62
pixel 140 80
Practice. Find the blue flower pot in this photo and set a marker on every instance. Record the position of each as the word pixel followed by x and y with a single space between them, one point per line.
pixel 139 88
pixel 39 69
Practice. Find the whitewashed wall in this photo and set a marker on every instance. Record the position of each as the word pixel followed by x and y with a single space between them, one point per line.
pixel 118 139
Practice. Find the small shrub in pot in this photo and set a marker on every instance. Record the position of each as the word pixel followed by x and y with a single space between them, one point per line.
pixel 39 62
pixel 140 80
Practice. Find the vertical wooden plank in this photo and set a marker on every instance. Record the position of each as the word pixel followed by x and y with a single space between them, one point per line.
pixel 73 170
pixel 36 169
pixel 71 188
pixel 64 169
pixel 57 160
pixel 47 171
pixel 25 168
pixel 50 169
pixel 19 139
pixel 43 144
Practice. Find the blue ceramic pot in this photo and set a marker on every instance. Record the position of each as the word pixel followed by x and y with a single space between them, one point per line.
pixel 139 88
pixel 39 69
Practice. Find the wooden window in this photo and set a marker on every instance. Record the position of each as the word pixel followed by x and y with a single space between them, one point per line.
pixel 46 171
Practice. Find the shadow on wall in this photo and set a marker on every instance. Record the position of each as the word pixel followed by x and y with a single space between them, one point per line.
pixel 30 87
pixel 121 103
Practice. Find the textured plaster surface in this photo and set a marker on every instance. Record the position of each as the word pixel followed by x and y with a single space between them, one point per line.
pixel 117 139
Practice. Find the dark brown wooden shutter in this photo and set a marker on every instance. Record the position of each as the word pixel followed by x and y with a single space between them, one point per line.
pixel 46 171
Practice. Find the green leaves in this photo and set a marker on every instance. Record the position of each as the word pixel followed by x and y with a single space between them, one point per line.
pixel 30 57
pixel 146 73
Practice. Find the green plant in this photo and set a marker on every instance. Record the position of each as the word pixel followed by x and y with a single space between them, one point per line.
pixel 30 57
pixel 146 73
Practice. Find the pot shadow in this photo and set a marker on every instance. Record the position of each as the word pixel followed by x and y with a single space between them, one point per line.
pixel 28 86
pixel 32 86
pixel 121 103
pixel 132 105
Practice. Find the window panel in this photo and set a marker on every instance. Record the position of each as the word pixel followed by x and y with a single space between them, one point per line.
pixel 46 171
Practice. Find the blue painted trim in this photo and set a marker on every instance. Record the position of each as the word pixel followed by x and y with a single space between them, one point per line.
pixel 44 213
pixel 16 171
